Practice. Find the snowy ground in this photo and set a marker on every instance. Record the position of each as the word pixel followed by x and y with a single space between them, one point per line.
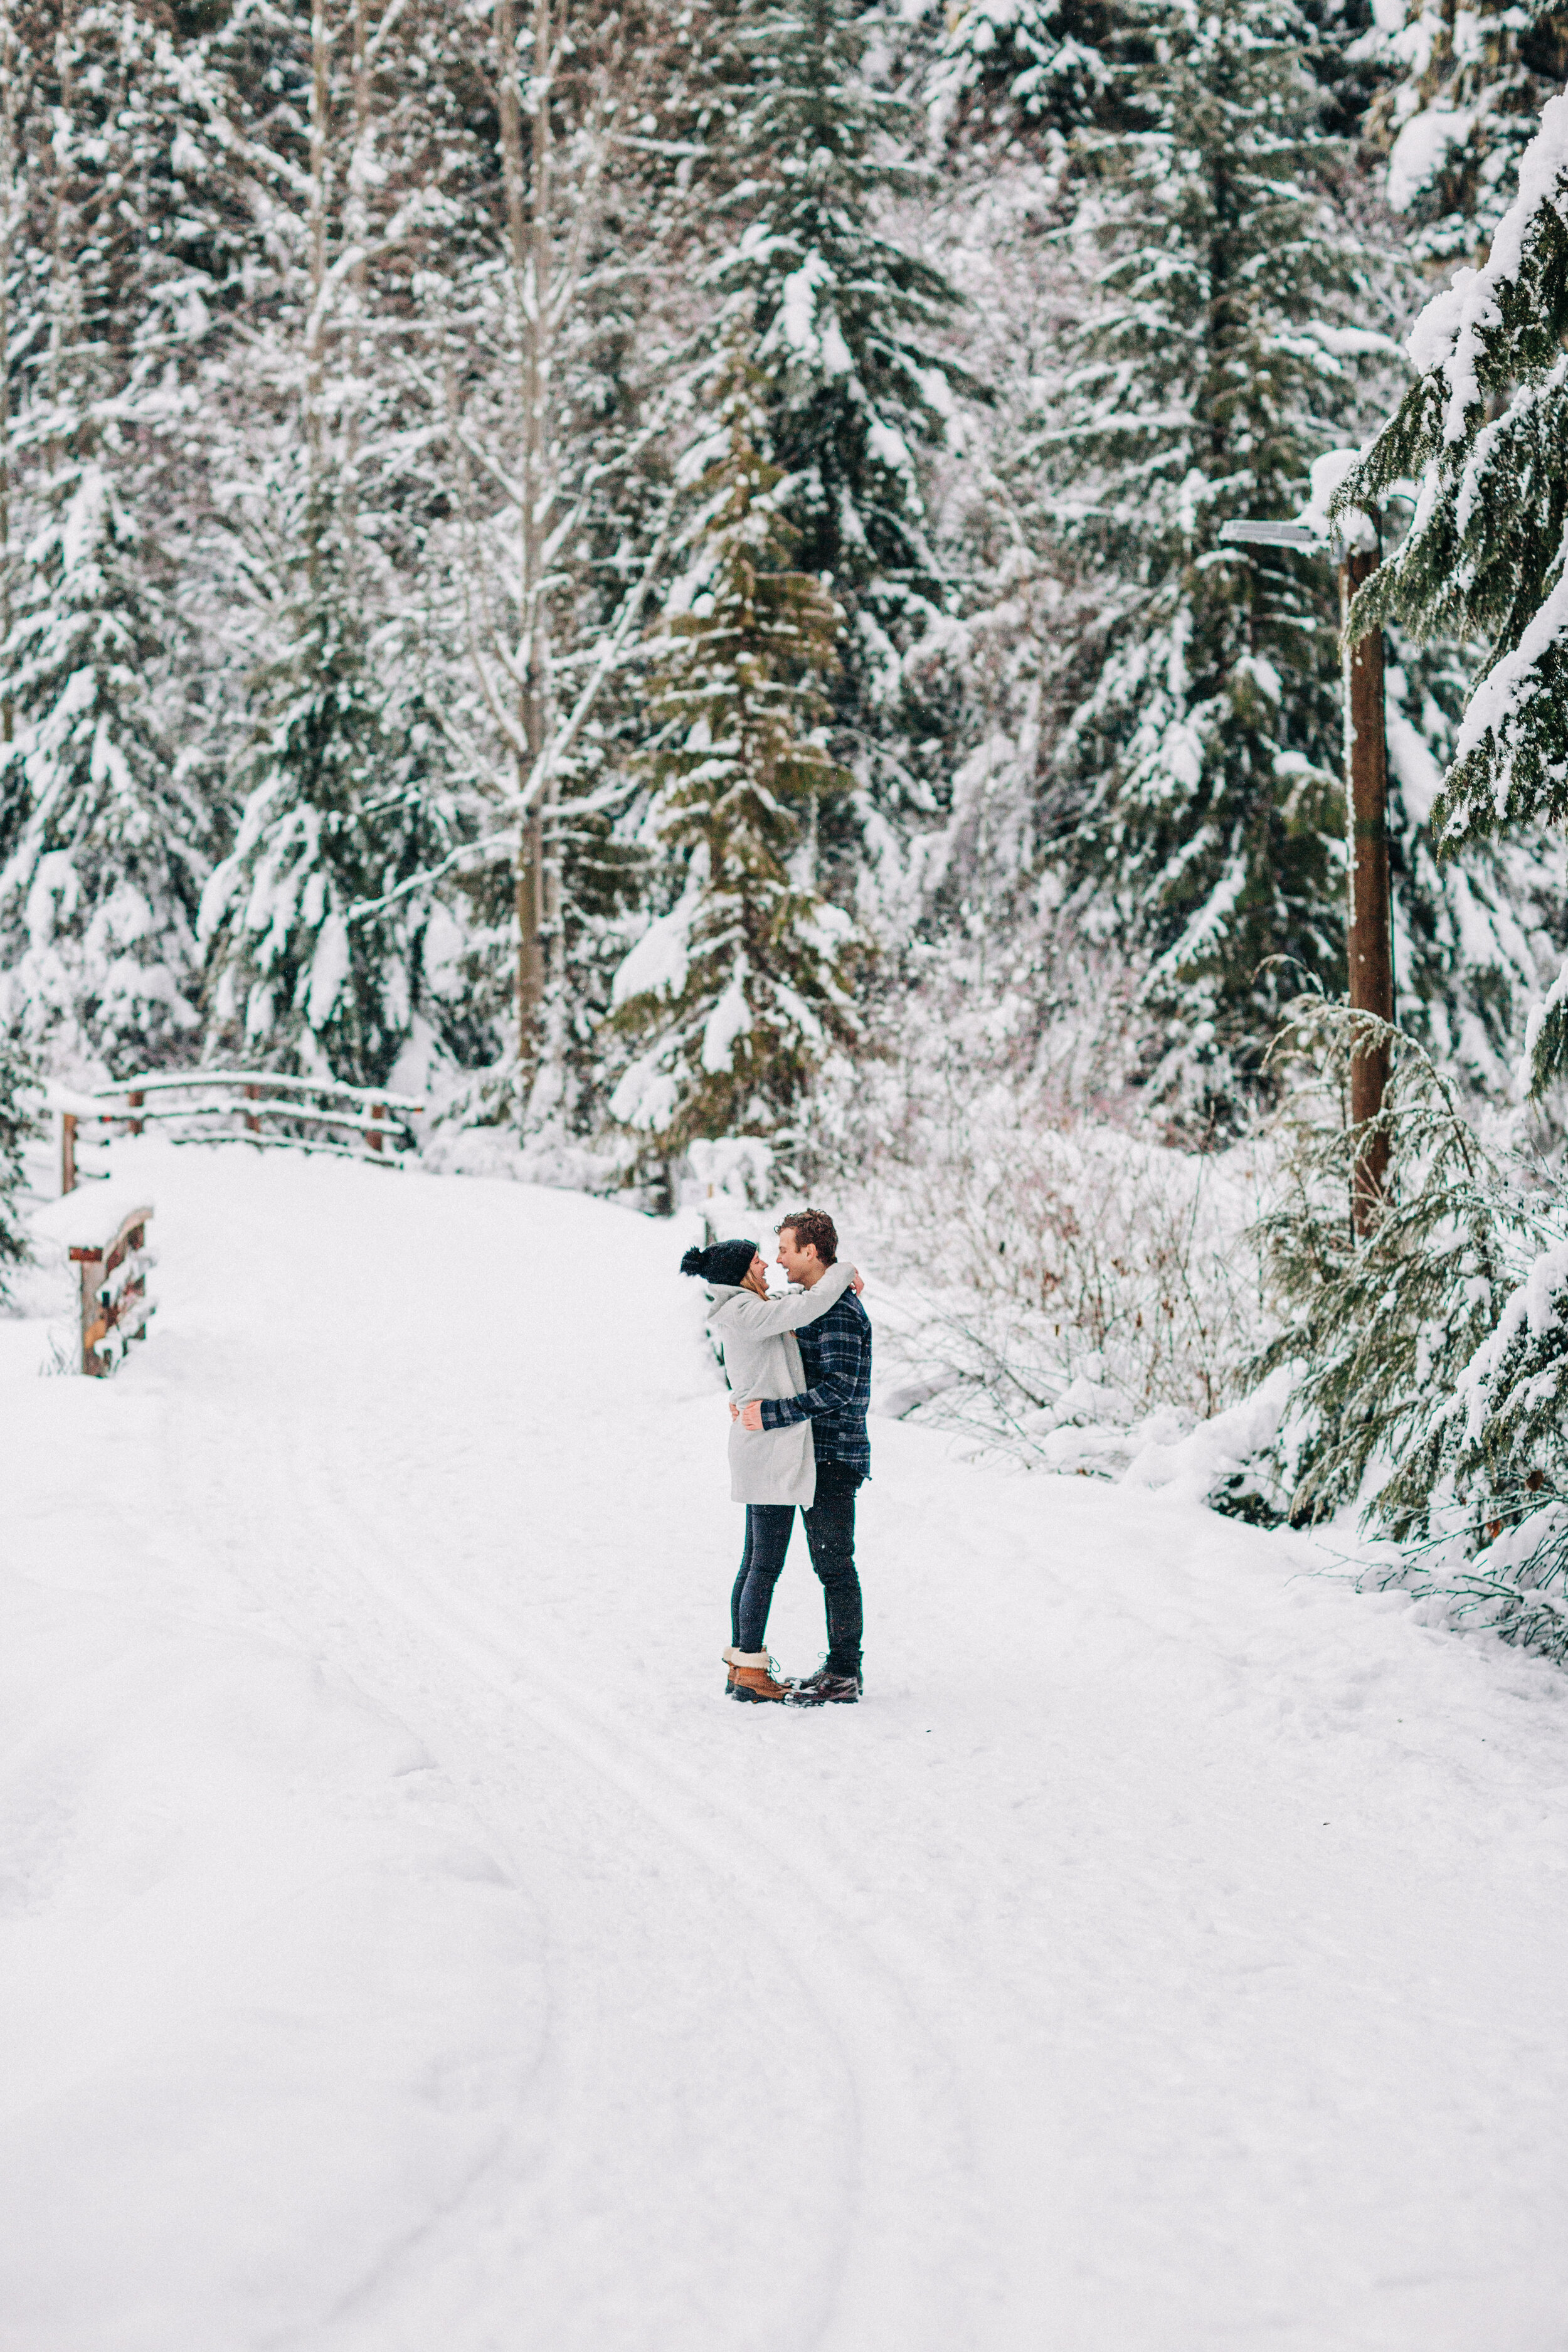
pixel 404 1945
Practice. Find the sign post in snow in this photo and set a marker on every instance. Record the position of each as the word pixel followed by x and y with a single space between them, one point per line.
pixel 1368 940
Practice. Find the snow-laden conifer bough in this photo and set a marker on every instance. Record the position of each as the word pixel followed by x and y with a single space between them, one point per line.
pixel 1478 432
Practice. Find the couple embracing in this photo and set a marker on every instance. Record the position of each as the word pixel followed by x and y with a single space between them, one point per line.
pixel 800 1377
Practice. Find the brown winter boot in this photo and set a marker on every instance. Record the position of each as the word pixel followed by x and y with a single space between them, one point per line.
pixel 752 1677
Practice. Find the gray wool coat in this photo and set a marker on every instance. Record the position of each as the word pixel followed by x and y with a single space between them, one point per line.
pixel 757 1335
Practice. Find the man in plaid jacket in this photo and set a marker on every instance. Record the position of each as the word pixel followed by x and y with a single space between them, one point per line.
pixel 836 1356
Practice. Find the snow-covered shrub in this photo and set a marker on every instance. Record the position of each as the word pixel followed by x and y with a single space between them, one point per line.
pixel 1060 1278
pixel 1232 1462
pixel 733 1169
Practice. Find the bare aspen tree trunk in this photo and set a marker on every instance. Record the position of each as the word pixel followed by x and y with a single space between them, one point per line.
pixel 539 324
pixel 356 229
pixel 11 200
pixel 62 275
pixel 315 324
pixel 528 197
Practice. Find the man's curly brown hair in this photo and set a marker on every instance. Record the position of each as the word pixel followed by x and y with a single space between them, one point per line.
pixel 812 1225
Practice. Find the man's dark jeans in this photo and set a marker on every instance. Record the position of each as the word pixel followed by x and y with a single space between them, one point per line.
pixel 830 1533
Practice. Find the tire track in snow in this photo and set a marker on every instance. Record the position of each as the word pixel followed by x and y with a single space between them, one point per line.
pixel 356 1468
pixel 892 2097
pixel 902 2123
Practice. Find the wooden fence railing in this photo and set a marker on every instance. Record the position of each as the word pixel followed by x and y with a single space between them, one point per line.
pixel 115 1307
pixel 255 1107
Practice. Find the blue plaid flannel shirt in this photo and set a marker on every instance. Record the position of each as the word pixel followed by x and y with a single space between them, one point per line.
pixel 836 1356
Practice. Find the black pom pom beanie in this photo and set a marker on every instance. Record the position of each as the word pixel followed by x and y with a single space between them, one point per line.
pixel 728 1262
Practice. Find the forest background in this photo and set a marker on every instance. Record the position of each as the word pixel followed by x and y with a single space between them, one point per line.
pixel 653 576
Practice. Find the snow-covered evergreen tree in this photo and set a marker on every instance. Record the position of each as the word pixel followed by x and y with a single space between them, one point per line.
pixel 1378 1327
pixel 1431 1354
pixel 336 816
pixel 19 1124
pixel 739 990
pixel 1465 92
pixel 847 332
pixel 1483 430
pixel 1218 365
pixel 1478 934
pixel 106 839
pixel 1499 1439
pixel 1044 68
pixel 106 833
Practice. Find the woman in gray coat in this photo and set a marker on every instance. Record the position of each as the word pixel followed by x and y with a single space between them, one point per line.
pixel 757 1335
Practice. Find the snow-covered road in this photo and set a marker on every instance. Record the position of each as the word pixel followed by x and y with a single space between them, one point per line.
pixel 404 1945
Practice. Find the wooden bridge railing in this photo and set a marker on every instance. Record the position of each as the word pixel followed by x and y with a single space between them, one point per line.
pixel 256 1106
pixel 115 1307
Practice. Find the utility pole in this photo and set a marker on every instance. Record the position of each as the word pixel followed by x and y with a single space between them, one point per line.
pixel 1369 932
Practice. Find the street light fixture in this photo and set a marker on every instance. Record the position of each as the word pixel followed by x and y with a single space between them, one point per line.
pixel 1272 534
pixel 1370 931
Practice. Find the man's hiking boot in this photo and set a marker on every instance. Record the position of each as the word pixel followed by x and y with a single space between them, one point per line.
pixel 824 1688
pixel 752 1677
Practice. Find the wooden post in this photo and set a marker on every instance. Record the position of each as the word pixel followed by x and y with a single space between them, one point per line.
pixel 373 1134
pixel 135 1102
pixel 1370 939
pixel 530 942
pixel 253 1094
pixel 96 1264
pixel 68 1152
pixel 135 1240
pixel 90 1269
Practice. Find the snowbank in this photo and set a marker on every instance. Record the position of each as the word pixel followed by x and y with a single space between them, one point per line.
pixel 404 1943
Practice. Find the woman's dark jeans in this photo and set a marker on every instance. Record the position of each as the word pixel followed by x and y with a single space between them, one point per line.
pixel 830 1535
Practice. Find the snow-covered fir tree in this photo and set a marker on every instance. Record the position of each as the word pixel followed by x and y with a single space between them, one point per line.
pixel 1378 1326
pixel 1464 93
pixel 1479 932
pixel 847 330
pixel 1482 431
pixel 1429 1355
pixel 1217 365
pixel 1496 1440
pixel 18 1125
pixel 1036 71
pixel 307 971
pixel 106 837
pixel 106 833
pixel 738 991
